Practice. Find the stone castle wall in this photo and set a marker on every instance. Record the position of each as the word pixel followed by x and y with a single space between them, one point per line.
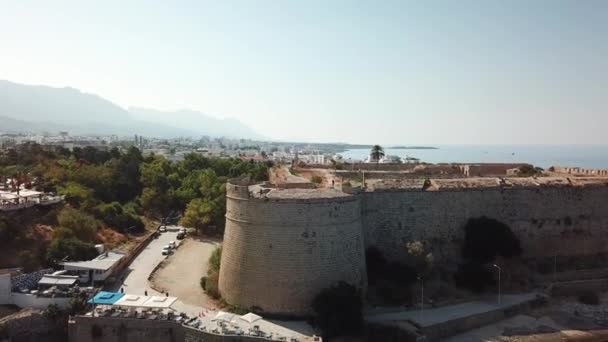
pixel 279 253
pixel 569 220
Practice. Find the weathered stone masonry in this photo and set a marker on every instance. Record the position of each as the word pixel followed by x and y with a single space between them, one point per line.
pixel 280 251
pixel 570 220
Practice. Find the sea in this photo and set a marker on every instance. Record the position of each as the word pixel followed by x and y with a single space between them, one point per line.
pixel 545 156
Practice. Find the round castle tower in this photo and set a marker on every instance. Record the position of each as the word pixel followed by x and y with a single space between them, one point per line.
pixel 282 247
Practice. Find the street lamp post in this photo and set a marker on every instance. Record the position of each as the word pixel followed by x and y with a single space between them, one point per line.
pixel 554 265
pixel 421 296
pixel 499 294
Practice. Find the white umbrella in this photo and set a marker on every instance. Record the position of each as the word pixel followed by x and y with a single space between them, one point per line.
pixel 224 316
pixel 250 317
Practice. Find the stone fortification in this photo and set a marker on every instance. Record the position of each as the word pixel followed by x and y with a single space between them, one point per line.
pixel 282 246
pixel 567 220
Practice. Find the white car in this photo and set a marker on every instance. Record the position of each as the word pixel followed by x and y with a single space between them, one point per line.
pixel 163 229
pixel 166 250
pixel 182 230
pixel 172 244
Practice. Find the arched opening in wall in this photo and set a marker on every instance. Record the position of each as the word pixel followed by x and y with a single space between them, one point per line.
pixel 489 247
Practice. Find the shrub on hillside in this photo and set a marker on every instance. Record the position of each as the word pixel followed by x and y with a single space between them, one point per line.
pixel 215 259
pixel 83 225
pixel 70 249
pixel 210 285
pixel 210 282
pixel 76 194
pixel 114 215
pixel 338 310
pixel 28 260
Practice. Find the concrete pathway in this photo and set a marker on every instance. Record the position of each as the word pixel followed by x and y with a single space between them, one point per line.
pixel 433 316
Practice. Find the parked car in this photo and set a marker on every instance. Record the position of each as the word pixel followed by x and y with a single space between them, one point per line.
pixel 163 229
pixel 183 230
pixel 180 236
pixel 166 250
pixel 172 244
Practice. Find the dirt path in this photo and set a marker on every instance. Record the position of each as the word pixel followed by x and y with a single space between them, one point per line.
pixel 180 274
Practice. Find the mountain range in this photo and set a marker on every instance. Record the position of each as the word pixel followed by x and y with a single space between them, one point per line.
pixel 28 108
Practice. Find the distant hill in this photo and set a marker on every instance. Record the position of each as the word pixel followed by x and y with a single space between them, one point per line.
pixel 42 108
pixel 198 121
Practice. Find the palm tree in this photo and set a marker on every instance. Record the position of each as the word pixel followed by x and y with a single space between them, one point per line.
pixel 376 153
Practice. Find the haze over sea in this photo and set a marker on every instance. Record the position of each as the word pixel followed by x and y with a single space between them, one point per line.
pixel 587 156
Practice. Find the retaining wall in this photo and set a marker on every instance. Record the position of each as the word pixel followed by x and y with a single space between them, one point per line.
pixel 105 329
pixel 23 300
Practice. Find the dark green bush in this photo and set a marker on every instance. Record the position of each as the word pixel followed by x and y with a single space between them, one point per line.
pixel 339 311
pixel 210 282
pixel 114 215
pixel 70 249
pixel 474 277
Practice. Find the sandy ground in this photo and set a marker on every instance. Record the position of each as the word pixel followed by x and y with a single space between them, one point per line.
pixel 180 274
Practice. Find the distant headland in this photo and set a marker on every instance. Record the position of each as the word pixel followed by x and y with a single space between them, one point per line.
pixel 413 148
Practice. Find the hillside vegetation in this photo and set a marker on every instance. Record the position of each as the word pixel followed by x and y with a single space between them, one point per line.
pixel 109 197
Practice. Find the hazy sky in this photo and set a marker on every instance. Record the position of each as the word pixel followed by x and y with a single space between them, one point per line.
pixel 427 72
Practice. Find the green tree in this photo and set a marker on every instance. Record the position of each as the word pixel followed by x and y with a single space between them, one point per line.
pixel 339 310
pixel 199 214
pixel 70 249
pixel 209 283
pixel 376 153
pixel 76 194
pixel 116 217
pixel 126 175
pixel 83 226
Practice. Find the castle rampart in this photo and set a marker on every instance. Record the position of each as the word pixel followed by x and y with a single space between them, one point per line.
pixel 548 220
pixel 283 246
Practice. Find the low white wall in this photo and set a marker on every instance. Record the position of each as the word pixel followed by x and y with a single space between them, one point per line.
pixel 5 289
pixel 31 301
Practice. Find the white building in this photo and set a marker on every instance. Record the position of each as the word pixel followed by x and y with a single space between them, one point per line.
pixel 98 269
pixel 37 289
pixel 312 158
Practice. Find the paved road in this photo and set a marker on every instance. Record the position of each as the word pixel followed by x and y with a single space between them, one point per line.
pixel 136 274
pixel 136 282
pixel 432 316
